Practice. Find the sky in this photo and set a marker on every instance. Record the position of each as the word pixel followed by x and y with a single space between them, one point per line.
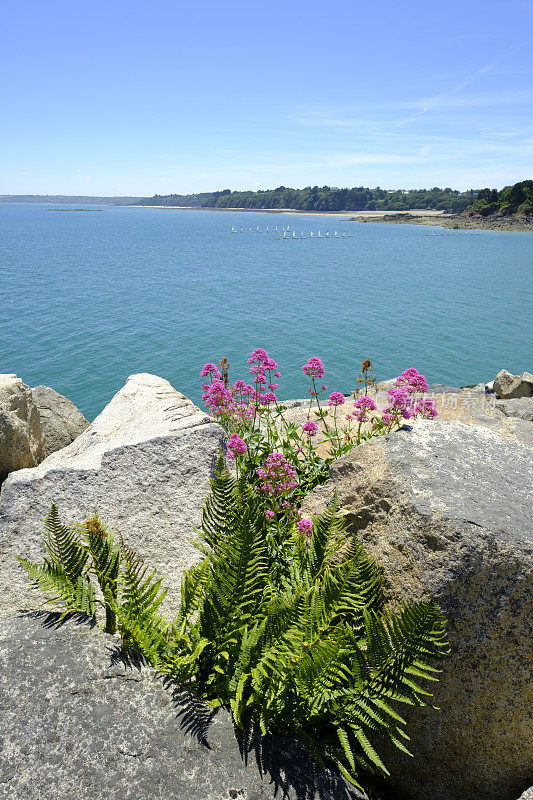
pixel 138 98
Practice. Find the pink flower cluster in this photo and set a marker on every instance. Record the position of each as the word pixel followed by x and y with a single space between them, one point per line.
pixel 242 400
pixel 236 446
pixel 314 367
pixel 277 475
pixel 361 407
pixel 310 428
pixel 412 381
pixel 305 526
pixel 401 402
pixel 336 399
pixel 210 369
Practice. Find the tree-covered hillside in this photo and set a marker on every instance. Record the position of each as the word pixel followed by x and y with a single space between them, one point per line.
pixel 326 198
pixel 516 199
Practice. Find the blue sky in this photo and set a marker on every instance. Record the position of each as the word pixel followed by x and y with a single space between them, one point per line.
pixel 121 98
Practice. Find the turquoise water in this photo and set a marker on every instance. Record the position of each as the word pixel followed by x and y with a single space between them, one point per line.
pixel 89 297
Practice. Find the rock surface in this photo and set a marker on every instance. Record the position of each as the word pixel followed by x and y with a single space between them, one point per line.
pixel 521 407
pixel 446 511
pixel 61 421
pixel 143 464
pixel 21 436
pixel 83 720
pixel 508 386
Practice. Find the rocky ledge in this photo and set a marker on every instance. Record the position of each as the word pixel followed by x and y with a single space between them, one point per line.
pixel 514 222
pixel 144 465
pixel 81 718
pixel 445 507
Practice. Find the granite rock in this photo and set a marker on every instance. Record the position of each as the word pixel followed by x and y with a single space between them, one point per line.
pixel 83 719
pixel 508 386
pixel 21 436
pixel 520 407
pixel 442 388
pixel 144 465
pixel 446 510
pixel 61 421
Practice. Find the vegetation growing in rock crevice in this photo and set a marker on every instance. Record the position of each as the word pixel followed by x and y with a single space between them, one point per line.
pixel 279 628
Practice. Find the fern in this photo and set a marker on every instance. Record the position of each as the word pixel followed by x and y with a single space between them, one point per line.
pixel 61 575
pixel 290 635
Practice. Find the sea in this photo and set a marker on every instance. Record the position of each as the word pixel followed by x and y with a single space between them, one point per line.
pixel 92 294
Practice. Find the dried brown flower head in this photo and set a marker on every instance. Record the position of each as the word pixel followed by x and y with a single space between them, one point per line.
pixel 95 527
pixel 223 366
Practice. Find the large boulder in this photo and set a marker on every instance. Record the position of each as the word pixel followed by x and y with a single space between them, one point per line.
pixel 83 719
pixel 61 421
pixel 446 510
pixel 21 436
pixel 508 386
pixel 144 465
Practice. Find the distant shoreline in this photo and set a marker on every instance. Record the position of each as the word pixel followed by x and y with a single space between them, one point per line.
pixel 440 219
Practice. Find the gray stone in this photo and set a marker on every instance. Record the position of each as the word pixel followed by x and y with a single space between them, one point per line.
pixel 441 388
pixel 446 511
pixel 508 386
pixel 61 421
pixel 527 795
pixel 21 436
pixel 479 388
pixel 521 407
pixel 143 465
pixel 82 719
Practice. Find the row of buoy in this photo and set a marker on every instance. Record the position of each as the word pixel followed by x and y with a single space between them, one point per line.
pixel 289 233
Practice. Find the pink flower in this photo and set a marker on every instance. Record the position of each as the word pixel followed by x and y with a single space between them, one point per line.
pixel 269 363
pixel 365 403
pixel 267 398
pixel 273 386
pixel 412 381
pixel 240 384
pixel 277 374
pixel 314 367
pixel 387 417
pixel 336 399
pixel 324 387
pixel 210 369
pixel 277 475
pixel 310 428
pixel 426 408
pixel 398 397
pixel 269 514
pixel 236 444
pixel 305 526
pixel 258 354
pixel 217 398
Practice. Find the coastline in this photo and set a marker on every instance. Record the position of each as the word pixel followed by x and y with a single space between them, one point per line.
pixel 444 220
pixel 440 219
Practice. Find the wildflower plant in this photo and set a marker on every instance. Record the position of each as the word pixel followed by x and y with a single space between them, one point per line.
pixel 261 440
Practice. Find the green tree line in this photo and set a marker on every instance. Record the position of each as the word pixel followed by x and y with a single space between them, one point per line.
pixel 516 199
pixel 325 198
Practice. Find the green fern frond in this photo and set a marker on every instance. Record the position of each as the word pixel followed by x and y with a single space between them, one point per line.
pixel 63 545
pixel 53 580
